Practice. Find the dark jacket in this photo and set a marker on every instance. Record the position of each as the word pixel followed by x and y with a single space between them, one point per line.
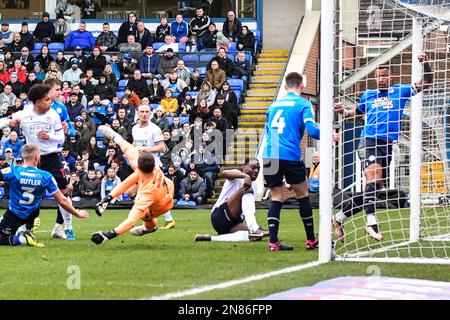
pixel 146 38
pixel 138 86
pixel 88 90
pixel 74 110
pixel 125 29
pixel 97 64
pixel 105 91
pixel 195 85
pixel 27 40
pixel 93 185
pixel 107 40
pixel 194 188
pixel 162 123
pixel 248 42
pixel 201 23
pixel 242 68
pixel 148 63
pixel 225 64
pixel 210 39
pixel 44 30
pixel 28 62
pixel 237 27
pixel 44 61
pixel 155 97
pixel 161 33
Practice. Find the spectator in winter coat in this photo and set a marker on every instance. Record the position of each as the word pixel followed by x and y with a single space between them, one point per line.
pixel 108 183
pixel 74 107
pixel 62 30
pixel 27 59
pixel 90 186
pixel 107 40
pixel 155 91
pixel 89 9
pixel 148 63
pixel 82 129
pixel 162 30
pixel 80 38
pixel 26 38
pixel 44 57
pixel 193 188
pixel 138 85
pixel 215 75
pixel 231 26
pixel 143 35
pixel 242 68
pixel 5 34
pixel 199 24
pixel 128 27
pixel 96 62
pixel 179 29
pixel 167 64
pixel 225 63
pixel 246 40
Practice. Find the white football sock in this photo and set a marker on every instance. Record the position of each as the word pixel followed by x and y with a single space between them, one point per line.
pixel 168 216
pixel 238 236
pixel 249 210
pixel 58 227
pixel 340 217
pixel 22 240
pixel 371 220
pixel 66 216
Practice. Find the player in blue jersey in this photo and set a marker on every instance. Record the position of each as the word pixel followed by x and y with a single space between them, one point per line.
pixel 28 185
pixel 287 120
pixel 383 110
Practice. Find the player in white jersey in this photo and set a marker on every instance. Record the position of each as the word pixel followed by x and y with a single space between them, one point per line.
pixel 42 126
pixel 236 202
pixel 148 136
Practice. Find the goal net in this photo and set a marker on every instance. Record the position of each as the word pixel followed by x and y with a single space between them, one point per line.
pixel 391 168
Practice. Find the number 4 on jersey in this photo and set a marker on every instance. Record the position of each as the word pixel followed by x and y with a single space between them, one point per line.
pixel 278 122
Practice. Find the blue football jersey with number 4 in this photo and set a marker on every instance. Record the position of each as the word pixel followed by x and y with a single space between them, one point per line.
pixel 286 121
pixel 27 186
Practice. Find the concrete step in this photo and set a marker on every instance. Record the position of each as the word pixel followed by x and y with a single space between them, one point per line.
pixel 283 55
pixel 272 60
pixel 270 65
pixel 252 117
pixel 266 79
pixel 259 100
pixel 262 92
pixel 275 50
pixel 256 104
pixel 252 124
pixel 263 85
pixel 268 72
pixel 248 111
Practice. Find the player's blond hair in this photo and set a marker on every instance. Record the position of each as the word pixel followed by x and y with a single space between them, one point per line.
pixel 29 150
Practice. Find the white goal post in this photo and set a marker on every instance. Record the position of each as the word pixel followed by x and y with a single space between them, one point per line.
pixel 413 198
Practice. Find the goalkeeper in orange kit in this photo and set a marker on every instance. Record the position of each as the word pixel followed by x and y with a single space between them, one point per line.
pixel 154 194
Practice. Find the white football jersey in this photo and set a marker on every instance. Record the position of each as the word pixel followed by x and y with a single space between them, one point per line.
pixel 147 137
pixel 229 188
pixel 31 123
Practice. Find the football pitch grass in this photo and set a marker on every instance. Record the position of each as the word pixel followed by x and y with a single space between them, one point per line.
pixel 169 261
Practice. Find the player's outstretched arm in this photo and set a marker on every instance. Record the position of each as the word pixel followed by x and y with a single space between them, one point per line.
pixel 65 203
pixel 428 75
pixel 339 108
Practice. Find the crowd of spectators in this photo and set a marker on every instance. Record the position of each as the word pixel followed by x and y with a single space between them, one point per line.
pixel 192 110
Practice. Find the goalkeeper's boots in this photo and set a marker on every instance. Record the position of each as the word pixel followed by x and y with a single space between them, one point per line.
pixel 107 132
pixel 141 230
pixel 31 240
pixel 312 245
pixel 202 237
pixel 373 232
pixel 70 234
pixel 338 229
pixel 278 246
pixel 102 236
pixel 169 225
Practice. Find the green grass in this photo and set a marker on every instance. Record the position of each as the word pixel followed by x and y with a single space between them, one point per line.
pixel 168 261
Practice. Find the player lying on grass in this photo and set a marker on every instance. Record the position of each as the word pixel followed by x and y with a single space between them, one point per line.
pixel 27 186
pixel 154 195
pixel 236 202
pixel 383 110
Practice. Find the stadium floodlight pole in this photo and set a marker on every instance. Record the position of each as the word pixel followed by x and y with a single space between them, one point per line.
pixel 416 135
pixel 326 126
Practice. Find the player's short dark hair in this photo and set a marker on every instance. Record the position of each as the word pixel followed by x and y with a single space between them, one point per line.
pixel 146 162
pixel 38 92
pixel 385 66
pixel 294 80
pixel 51 82
pixel 248 160
pixel 106 23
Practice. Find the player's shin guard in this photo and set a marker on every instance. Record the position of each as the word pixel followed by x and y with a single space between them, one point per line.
pixel 306 213
pixel 273 220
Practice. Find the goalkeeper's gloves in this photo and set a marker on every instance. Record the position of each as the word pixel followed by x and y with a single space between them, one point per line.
pixel 101 206
pixel 99 237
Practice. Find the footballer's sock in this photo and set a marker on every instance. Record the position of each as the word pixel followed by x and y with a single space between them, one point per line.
pixel 273 220
pixel 67 217
pixel 168 216
pixel 372 220
pixel 352 207
pixel 370 198
pixel 238 236
pixel 306 213
pixel 59 218
pixel 249 210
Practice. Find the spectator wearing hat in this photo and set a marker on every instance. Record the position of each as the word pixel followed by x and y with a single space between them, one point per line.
pixel 44 29
pixel 79 55
pixel 159 118
pixel 9 156
pixel 191 45
pixel 14 144
pixel 26 38
pixel 82 129
pixel 104 90
pixel 74 106
pixel 5 34
pixel 96 62
pixel 107 40
pixel 127 27
pixel 26 59
pixel 62 30
pixel 16 86
pixel 80 38
pixel 89 9
pixel 207 93
pixel 73 74
pixel 44 57
pixel 148 62
pixel 167 64
pixel 38 71
pixel 127 66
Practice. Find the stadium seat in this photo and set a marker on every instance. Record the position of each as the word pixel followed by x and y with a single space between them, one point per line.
pixel 126 196
pixel 148 81
pixel 170 120
pixel 54 47
pixel 182 47
pixel 184 120
pixel 122 85
pixel 190 60
pixel 236 84
pixel 37 47
pixel 101 168
pixel 238 95
pixel 154 106
pixel 202 71
pixel 99 134
pixel 157 45
pixel 2 192
pixel 193 94
pixel 100 143
pixel 206 57
pixel 119 94
pixel 232 47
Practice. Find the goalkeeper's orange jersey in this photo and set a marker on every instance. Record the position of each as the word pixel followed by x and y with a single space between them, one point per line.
pixel 154 194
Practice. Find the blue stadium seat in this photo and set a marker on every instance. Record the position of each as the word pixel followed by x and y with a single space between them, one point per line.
pixel 96 33
pixel 191 69
pixel 182 47
pixel 184 120
pixel 232 56
pixel 122 85
pixel 119 94
pixel 170 120
pixel 154 106
pixel 37 47
pixel 190 59
pixel 193 94
pixel 126 196
pixel 101 168
pixel 54 47
pixel 100 143
pixel 238 94
pixel 99 134
pixel 157 45
pixel 232 47
pixel 236 84
pixel 206 57
pixel 202 71
pixel 2 192
pixel 148 81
